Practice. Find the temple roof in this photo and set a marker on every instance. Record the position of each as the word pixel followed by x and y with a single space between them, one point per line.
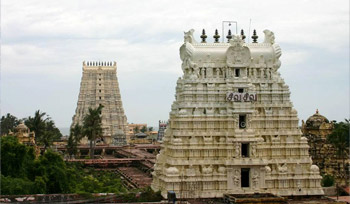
pixel 141 135
pixel 237 52
pixel 22 126
pixel 316 120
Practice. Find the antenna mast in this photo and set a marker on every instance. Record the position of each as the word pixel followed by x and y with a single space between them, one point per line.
pixel 250 23
pixel 229 24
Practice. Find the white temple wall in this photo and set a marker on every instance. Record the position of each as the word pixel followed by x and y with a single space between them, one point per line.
pixel 205 142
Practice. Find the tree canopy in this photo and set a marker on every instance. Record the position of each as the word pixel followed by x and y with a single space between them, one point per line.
pixel 16 159
pixel 21 173
pixel 92 127
pixel 8 123
pixel 340 139
pixel 76 134
pixel 143 129
pixel 136 130
pixel 44 127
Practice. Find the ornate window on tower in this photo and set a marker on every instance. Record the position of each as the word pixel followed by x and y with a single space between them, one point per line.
pixel 237 72
pixel 245 150
pixel 242 121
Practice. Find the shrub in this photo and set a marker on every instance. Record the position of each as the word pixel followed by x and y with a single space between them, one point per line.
pixel 327 180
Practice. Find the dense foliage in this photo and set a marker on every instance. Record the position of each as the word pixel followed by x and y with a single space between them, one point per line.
pixel 16 159
pixel 145 195
pixel 327 180
pixel 76 134
pixel 21 173
pixel 143 129
pixel 44 127
pixel 340 139
pixel 8 123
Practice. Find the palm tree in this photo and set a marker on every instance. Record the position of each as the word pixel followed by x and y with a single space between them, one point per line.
pixel 37 124
pixel 92 127
pixel 45 130
pixel 76 134
pixel 48 135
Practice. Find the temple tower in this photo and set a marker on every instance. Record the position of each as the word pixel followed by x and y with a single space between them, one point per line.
pixel 316 129
pixel 99 86
pixel 232 127
pixel 161 130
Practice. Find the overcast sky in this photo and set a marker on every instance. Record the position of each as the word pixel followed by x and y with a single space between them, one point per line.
pixel 45 42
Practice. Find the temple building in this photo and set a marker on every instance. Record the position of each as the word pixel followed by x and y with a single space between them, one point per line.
pixel 99 86
pixel 232 126
pixel 25 136
pixel 161 130
pixel 324 155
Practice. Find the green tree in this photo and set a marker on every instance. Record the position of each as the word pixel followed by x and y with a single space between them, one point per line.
pixel 76 134
pixel 51 134
pixel 37 124
pixel 150 129
pixel 136 130
pixel 45 130
pixel 16 186
pixel 327 180
pixel 54 172
pixel 340 139
pixel 16 158
pixel 21 173
pixel 17 161
pixel 8 122
pixel 39 185
pixel 92 127
pixel 143 129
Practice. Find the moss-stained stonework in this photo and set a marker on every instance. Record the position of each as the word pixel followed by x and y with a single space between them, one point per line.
pixel 324 155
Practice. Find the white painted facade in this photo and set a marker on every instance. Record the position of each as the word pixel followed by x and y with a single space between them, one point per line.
pixel 214 145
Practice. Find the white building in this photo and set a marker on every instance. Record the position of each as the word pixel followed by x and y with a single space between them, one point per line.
pixel 232 127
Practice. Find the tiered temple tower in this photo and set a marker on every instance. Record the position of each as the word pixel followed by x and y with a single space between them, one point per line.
pixel 232 127
pixel 161 130
pixel 99 86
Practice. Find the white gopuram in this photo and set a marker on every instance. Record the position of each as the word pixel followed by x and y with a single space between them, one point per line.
pixel 232 127
pixel 99 86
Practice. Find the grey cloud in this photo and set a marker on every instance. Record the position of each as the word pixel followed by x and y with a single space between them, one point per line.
pixel 45 42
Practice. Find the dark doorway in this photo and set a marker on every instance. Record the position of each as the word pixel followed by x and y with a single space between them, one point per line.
pixel 242 121
pixel 240 90
pixel 245 177
pixel 245 149
pixel 237 72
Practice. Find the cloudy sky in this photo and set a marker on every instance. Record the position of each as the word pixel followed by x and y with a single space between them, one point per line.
pixel 44 43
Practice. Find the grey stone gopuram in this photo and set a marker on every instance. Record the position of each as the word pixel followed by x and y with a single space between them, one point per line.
pixel 99 85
